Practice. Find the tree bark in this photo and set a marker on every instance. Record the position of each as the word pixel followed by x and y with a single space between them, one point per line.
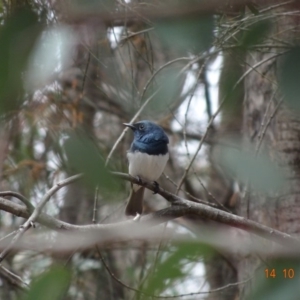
pixel 281 140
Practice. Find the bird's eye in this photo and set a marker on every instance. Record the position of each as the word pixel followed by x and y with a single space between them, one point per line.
pixel 142 126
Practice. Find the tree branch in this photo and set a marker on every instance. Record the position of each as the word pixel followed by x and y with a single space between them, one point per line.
pixel 207 212
pixel 36 212
pixel 179 207
pixel 18 196
pixel 13 278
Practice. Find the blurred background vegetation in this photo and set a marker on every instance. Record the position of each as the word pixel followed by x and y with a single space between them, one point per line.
pixel 222 79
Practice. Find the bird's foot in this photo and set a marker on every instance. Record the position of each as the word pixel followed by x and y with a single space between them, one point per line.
pixel 138 178
pixel 156 187
pixel 137 217
pixel 32 224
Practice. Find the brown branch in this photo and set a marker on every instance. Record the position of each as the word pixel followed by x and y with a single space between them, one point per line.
pixel 18 196
pixel 180 207
pixel 36 212
pixel 207 212
pixel 13 278
pixel 86 236
pixel 115 277
pixel 21 211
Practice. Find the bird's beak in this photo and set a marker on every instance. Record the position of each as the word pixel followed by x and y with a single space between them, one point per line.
pixel 129 125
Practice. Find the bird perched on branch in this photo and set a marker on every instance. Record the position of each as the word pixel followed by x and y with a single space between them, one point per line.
pixel 147 156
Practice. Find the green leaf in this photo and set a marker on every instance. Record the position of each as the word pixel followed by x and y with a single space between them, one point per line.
pixel 84 157
pixel 17 39
pixel 51 285
pixel 277 280
pixel 187 35
pixel 259 171
pixel 288 78
pixel 172 268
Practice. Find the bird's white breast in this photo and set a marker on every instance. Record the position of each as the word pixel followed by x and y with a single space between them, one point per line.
pixel 149 167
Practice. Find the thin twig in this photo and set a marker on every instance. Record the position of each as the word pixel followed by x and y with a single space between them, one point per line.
pixel 185 125
pixel 188 107
pixel 222 288
pixel 135 33
pixel 193 198
pixel 253 68
pixel 85 72
pixel 95 205
pixel 191 62
pixel 147 15
pixel 23 199
pixel 144 104
pixel 36 212
pixel 216 113
pixel 13 278
pixel 126 128
pixel 213 213
pixel 267 125
pixel 8 235
pixel 113 275
pixel 166 297
pixel 199 146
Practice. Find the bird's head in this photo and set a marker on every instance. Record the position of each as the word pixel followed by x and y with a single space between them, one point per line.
pixel 148 132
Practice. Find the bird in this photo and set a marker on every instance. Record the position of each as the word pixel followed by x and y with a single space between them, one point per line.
pixel 147 157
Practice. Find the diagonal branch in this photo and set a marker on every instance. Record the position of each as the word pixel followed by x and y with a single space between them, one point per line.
pixel 205 211
pixel 36 212
pixel 179 207
pixel 18 196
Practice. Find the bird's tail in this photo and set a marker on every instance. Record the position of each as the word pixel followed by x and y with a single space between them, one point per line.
pixel 135 202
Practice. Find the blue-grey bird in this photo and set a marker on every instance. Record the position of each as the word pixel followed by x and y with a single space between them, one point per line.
pixel 147 156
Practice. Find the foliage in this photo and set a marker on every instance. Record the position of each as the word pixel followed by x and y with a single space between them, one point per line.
pixel 71 74
pixel 52 284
